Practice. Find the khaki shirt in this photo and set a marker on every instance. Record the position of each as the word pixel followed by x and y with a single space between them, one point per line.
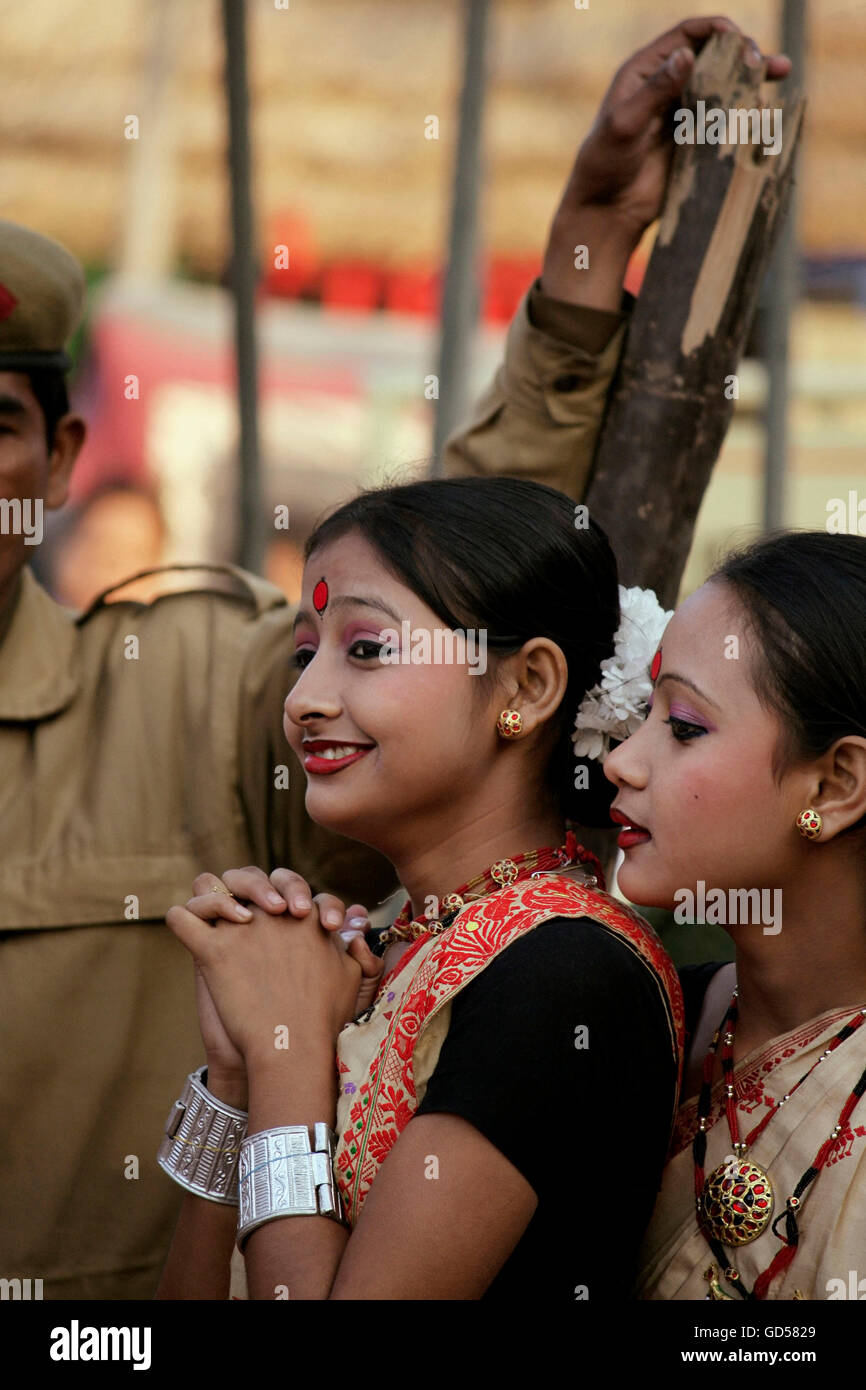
pixel 140 746
pixel 541 416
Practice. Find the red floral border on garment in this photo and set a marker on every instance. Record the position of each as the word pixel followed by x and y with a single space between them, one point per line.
pixel 387 1099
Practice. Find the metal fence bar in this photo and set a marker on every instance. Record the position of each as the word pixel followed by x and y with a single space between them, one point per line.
pixel 782 290
pixel 249 543
pixel 460 298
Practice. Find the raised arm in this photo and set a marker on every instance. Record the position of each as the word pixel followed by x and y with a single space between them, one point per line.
pixel 542 414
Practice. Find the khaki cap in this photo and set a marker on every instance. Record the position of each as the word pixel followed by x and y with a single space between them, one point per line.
pixel 41 299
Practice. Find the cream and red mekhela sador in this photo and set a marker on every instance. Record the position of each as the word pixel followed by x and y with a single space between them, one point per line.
pixel 388 1057
pixel 797 1109
pixel 386 1061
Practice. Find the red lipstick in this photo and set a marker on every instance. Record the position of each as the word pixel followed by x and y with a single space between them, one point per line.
pixel 319 759
pixel 633 834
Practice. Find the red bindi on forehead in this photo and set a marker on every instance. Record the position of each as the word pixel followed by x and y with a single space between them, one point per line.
pixel 656 666
pixel 320 597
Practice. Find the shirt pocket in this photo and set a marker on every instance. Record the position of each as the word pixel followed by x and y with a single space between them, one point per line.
pixel 100 890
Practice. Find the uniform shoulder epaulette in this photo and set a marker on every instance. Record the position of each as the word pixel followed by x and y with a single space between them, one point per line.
pixel 230 580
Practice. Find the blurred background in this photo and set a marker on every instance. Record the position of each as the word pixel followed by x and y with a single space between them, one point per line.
pixel 114 139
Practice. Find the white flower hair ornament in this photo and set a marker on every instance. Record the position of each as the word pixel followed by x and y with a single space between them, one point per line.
pixel 617 706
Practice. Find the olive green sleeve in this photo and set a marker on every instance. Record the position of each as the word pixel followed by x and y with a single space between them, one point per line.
pixel 540 418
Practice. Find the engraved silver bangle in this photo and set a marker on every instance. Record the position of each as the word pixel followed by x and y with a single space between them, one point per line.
pixel 202 1142
pixel 281 1175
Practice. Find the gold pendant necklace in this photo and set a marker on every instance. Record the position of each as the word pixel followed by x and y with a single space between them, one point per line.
pixel 737 1202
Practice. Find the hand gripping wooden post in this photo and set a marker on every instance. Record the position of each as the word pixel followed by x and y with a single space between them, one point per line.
pixel 669 410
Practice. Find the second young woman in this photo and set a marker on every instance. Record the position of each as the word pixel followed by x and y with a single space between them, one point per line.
pixel 746 789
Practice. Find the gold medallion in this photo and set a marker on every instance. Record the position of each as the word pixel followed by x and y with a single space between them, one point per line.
pixel 736 1203
pixel 504 872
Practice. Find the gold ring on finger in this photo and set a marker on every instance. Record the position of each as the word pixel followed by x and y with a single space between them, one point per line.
pixel 221 888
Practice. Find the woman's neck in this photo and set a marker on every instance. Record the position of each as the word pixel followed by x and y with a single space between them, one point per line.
pixel 445 862
pixel 817 961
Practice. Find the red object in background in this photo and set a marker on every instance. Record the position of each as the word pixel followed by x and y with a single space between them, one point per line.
pixel 290 237
pixel 635 272
pixel 506 282
pixel 119 440
pixel 354 285
pixel 8 302
pixel 413 290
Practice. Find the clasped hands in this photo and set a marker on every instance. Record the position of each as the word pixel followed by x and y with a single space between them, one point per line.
pixel 272 962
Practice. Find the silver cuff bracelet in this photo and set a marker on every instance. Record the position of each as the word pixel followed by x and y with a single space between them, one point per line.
pixel 280 1175
pixel 202 1142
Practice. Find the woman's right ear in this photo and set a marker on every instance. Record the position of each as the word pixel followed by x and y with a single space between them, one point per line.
pixel 841 801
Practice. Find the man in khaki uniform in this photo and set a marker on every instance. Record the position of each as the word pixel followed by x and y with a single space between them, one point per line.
pixel 138 746
pixel 141 744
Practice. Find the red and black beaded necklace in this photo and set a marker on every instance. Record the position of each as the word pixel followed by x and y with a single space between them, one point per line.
pixel 735 1204
pixel 500 875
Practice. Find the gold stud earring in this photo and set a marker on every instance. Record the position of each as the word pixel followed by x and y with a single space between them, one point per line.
pixel 509 723
pixel 810 823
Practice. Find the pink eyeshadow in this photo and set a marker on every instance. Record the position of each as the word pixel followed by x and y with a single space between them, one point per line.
pixel 357 630
pixel 689 716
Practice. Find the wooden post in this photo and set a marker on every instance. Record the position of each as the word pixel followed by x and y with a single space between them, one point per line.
pixel 674 395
